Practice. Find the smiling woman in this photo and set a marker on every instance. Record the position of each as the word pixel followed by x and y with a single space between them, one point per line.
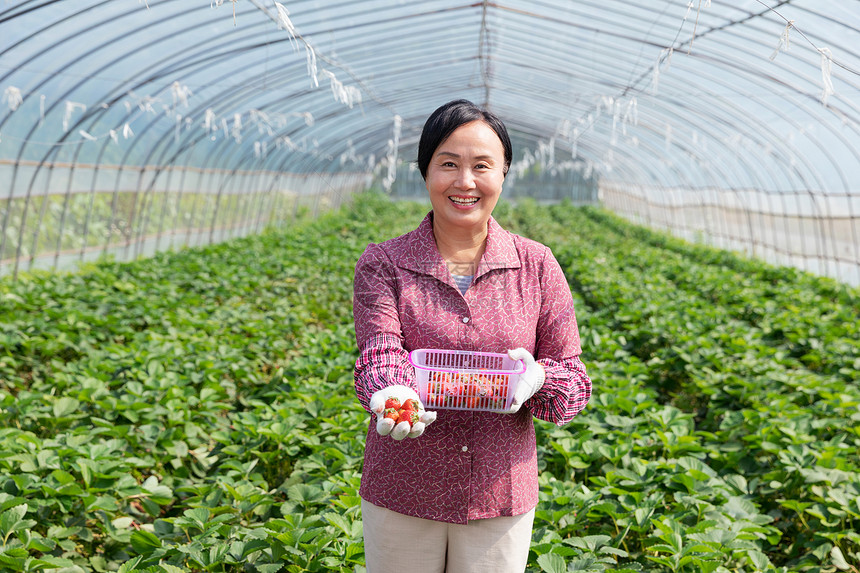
pixel 464 155
pixel 461 282
pixel 464 180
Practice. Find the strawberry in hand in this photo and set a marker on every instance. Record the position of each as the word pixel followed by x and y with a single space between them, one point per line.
pixel 399 421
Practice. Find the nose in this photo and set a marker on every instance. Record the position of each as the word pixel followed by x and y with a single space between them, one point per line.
pixel 465 179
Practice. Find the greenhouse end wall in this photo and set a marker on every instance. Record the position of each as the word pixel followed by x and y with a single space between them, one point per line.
pixel 815 232
pixel 58 215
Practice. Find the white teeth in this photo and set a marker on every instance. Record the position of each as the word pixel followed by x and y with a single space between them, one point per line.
pixel 459 201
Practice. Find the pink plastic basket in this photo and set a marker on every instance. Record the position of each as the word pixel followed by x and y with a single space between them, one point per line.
pixel 464 380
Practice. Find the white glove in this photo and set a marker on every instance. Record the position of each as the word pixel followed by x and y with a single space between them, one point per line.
pixel 530 381
pixel 399 430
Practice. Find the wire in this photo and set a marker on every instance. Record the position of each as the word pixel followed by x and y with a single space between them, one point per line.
pixel 805 37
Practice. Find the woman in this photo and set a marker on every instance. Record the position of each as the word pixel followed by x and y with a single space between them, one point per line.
pixel 461 495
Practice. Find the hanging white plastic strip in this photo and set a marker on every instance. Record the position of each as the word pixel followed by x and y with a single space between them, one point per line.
pixel 312 64
pixel 236 132
pixel 631 113
pixel 180 94
pixel 689 9
pixel 209 120
pixel 285 23
pixel 826 66
pixel 393 145
pixel 665 56
pixel 71 106
pixel 13 98
pixel 783 44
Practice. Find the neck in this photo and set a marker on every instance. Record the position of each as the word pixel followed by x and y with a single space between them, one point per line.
pixel 461 247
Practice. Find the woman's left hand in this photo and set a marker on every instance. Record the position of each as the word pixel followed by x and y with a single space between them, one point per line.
pixel 530 381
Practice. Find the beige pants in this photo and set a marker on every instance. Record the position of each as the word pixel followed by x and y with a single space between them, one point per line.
pixel 497 545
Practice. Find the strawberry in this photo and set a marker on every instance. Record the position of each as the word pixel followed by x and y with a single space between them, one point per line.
pixel 410 416
pixel 392 413
pixel 411 404
pixel 453 388
pixel 392 402
pixel 485 388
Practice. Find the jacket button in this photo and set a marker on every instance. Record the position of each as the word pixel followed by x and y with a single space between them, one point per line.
pixel 465 319
pixel 465 448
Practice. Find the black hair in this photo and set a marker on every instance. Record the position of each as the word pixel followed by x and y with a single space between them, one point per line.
pixel 442 123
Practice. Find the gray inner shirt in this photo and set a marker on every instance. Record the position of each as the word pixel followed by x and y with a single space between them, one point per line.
pixel 463 282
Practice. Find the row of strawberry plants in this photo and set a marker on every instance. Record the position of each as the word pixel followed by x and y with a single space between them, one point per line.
pixel 632 466
pixel 753 415
pixel 813 318
pixel 190 411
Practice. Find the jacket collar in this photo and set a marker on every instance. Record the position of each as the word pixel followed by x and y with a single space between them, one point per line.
pixel 421 255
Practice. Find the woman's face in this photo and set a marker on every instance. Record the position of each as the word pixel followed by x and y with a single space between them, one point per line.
pixel 465 176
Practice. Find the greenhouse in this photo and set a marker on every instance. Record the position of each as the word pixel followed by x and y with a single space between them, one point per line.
pixel 187 186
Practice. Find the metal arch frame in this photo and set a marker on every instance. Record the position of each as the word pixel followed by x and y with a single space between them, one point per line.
pixel 802 93
pixel 781 165
pixel 54 149
pixel 683 105
pixel 86 116
pixel 813 171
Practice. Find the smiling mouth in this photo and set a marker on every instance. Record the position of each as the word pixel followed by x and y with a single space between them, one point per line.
pixel 464 200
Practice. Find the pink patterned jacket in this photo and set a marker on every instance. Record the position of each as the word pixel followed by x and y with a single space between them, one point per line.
pixel 466 465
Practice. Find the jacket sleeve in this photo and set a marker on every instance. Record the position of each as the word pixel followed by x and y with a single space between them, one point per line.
pixel 567 387
pixel 382 360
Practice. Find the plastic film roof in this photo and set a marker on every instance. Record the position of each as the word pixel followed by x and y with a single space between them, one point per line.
pixel 702 93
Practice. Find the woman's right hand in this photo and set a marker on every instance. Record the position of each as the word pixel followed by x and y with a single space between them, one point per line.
pixel 402 426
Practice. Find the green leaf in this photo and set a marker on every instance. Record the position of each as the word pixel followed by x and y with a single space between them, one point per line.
pixel 122 522
pixel 552 563
pixel 838 559
pixel 63 477
pixel 65 406
pixel 48 562
pixel 159 493
pixel 198 515
pixel 144 542
pixel 130 566
pixel 759 560
pixel 305 493
pixel 12 520
pixel 339 521
pixel 14 558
